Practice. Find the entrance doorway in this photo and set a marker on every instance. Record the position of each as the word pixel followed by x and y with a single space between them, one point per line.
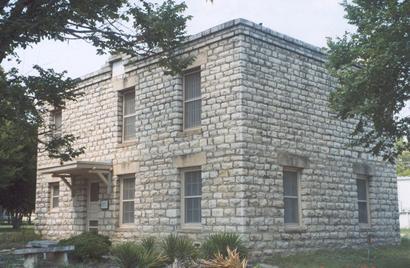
pixel 93 206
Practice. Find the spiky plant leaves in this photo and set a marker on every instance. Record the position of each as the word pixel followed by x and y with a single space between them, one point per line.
pixel 218 244
pixel 232 260
pixel 137 255
pixel 179 248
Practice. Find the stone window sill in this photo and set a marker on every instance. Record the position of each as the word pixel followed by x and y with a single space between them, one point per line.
pixel 190 132
pixel 127 144
pixel 127 228
pixel 295 228
pixel 190 229
pixel 365 227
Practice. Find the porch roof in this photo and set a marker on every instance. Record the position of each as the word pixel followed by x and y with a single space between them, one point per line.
pixel 77 168
pixel 101 169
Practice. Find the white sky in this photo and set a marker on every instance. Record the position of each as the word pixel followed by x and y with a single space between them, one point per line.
pixel 310 21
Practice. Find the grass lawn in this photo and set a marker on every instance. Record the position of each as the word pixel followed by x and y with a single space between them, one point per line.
pixel 10 238
pixel 382 257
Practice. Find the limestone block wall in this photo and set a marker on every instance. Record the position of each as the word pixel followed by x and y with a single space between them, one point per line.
pixel 288 121
pixel 159 146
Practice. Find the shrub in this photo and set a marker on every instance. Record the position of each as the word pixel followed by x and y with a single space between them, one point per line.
pixel 149 243
pixel 179 248
pixel 131 254
pixel 218 244
pixel 233 260
pixel 88 246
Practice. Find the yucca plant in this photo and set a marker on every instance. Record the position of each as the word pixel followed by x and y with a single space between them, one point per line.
pixel 149 243
pixel 179 248
pixel 218 244
pixel 135 255
pixel 232 260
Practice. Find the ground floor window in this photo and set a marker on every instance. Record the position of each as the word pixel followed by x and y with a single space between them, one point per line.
pixel 363 200
pixel 55 195
pixel 127 200
pixel 291 197
pixel 192 195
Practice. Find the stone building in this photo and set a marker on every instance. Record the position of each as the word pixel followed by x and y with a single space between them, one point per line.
pixel 242 142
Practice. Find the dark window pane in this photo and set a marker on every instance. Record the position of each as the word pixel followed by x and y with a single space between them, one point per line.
pixel 361 189
pixel 192 114
pixel 55 202
pixel 193 210
pixel 363 217
pixel 129 128
pixel 291 210
pixel 56 190
pixel 128 189
pixel 58 119
pixel 290 183
pixel 129 103
pixel 128 212
pixel 94 191
pixel 192 85
pixel 193 183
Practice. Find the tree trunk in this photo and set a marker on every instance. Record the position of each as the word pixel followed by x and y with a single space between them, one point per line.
pixel 16 220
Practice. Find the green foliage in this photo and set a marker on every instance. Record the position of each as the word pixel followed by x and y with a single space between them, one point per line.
pixel 18 153
pixel 149 243
pixel 373 68
pixel 138 28
pixel 141 255
pixel 403 164
pixel 179 248
pixel 218 243
pixel 88 246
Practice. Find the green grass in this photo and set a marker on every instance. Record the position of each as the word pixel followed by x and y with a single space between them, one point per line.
pixel 382 257
pixel 10 238
pixel 405 233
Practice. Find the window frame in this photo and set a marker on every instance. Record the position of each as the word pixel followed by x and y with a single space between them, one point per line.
pixel 298 172
pixel 184 101
pixel 184 225
pixel 367 201
pixel 123 94
pixel 52 196
pixel 121 179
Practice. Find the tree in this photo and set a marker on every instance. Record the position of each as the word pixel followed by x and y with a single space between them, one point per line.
pixel 17 171
pixel 115 26
pixel 373 69
pixel 403 164
pixel 112 26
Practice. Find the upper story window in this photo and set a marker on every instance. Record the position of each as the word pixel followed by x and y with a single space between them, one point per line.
pixel 128 122
pixel 363 200
pixel 117 68
pixel 127 200
pixel 291 197
pixel 57 121
pixel 192 195
pixel 192 99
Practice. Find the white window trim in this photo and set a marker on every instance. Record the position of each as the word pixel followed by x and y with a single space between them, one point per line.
pixel 191 71
pixel 130 224
pixel 183 224
pixel 52 196
pixel 299 223
pixel 367 201
pixel 123 93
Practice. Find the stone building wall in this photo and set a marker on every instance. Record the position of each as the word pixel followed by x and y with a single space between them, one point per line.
pixel 264 106
pixel 289 124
